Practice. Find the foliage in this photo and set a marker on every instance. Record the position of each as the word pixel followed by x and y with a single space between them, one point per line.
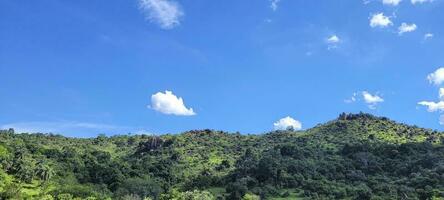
pixel 251 197
pixel 356 156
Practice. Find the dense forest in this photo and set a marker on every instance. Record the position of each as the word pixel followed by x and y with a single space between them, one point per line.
pixel 356 156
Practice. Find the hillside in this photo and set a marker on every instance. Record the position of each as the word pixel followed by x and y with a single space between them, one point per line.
pixel 356 156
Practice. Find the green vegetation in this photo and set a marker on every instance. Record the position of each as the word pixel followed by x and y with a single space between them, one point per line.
pixel 357 156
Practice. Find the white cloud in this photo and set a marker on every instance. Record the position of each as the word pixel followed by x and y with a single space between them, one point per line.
pixel 436 77
pixel 405 28
pixel 391 2
pixel 365 2
pixel 333 39
pixel 352 98
pixel 380 20
pixel 428 36
pixel 441 93
pixel 274 4
pixel 420 1
pixel 65 127
pixel 287 122
pixel 143 132
pixel 441 120
pixel 166 13
pixel 371 100
pixel 170 104
pixel 433 106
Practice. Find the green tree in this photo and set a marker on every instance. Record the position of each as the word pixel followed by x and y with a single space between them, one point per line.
pixel 195 195
pixel 43 171
pixel 251 197
pixel 142 187
pixel 25 170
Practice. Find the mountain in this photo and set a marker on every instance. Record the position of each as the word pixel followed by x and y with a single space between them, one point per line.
pixel 356 156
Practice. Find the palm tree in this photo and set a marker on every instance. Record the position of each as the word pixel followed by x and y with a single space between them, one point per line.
pixel 43 171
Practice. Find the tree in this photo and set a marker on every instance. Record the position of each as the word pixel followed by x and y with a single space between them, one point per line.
pixel 65 197
pixel 251 197
pixel 43 171
pixel 11 191
pixel 25 169
pixel 4 157
pixel 195 195
pixel 100 139
pixel 142 187
pixel 5 180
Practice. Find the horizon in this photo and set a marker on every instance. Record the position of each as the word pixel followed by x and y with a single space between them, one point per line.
pixel 217 130
pixel 84 68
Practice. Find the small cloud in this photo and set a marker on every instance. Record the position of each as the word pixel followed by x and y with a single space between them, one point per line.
pixel 352 99
pixel 274 4
pixel 436 77
pixel 65 127
pixel 433 106
pixel 441 120
pixel 391 2
pixel 420 1
pixel 166 13
pixel 380 20
pixel 143 132
pixel 441 93
pixel 333 41
pixel 405 28
pixel 428 36
pixel 286 123
pixel 372 100
pixel 170 104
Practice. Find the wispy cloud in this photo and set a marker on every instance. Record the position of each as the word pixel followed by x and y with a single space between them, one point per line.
pixel 441 119
pixel 391 2
pixel 441 93
pixel 372 100
pixel 352 99
pixel 274 4
pixel 67 127
pixel 420 1
pixel 365 2
pixel 166 13
pixel 405 28
pixel 333 41
pixel 428 36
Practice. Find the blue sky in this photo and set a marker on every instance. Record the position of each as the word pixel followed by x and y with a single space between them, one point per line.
pixel 83 67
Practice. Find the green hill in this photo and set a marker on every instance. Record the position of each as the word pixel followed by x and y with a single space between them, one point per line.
pixel 356 156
